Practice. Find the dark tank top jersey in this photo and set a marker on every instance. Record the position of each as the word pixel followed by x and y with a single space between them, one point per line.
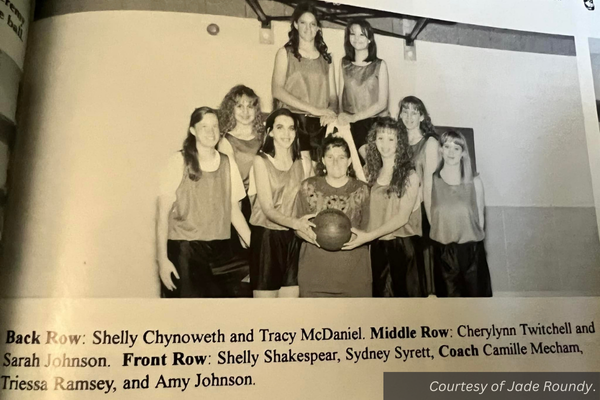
pixel 284 188
pixel 454 213
pixel 361 86
pixel 244 152
pixel 307 80
pixel 202 209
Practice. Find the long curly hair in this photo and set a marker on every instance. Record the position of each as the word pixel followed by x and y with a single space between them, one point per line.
pixel 329 143
pixel 227 114
pixel 403 164
pixel 294 37
pixel 189 150
pixel 426 125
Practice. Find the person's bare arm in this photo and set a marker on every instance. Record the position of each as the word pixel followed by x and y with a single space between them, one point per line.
pixel 430 165
pixel 480 196
pixel 165 266
pixel 263 191
pixel 239 223
pixel 407 205
pixel 278 87
pixel 340 87
pixel 381 103
pixel 225 147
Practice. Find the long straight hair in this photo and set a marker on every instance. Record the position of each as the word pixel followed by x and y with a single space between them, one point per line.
pixel 426 125
pixel 466 173
pixel 189 150
pixel 268 146
pixel 367 30
pixel 294 37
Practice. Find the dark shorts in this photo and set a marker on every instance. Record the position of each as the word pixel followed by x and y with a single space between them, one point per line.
pixel 311 135
pixel 360 131
pixel 273 258
pixel 236 244
pixel 207 269
pixel 461 270
pixel 398 268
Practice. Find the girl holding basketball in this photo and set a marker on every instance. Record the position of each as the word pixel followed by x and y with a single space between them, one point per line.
pixel 395 215
pixel 457 223
pixel 198 203
pixel 323 273
pixel 363 83
pixel 303 81
pixel 277 174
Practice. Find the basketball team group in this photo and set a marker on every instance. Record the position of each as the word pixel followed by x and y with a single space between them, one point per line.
pixel 237 205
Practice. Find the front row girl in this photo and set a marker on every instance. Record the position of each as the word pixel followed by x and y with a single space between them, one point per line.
pixel 277 173
pixel 395 216
pixel 457 223
pixel 198 202
pixel 323 273
pixel 197 259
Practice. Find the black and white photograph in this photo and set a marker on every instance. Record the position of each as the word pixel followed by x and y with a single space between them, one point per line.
pixel 262 149
pixel 595 60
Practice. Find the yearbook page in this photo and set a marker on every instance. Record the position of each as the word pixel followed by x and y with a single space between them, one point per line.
pixel 14 24
pixel 282 199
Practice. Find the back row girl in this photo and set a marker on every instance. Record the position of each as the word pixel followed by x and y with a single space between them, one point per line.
pixel 304 82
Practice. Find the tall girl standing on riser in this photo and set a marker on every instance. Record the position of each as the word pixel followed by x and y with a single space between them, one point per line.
pixel 198 203
pixel 423 140
pixel 457 223
pixel 303 81
pixel 277 174
pixel 394 228
pixel 243 131
pixel 363 84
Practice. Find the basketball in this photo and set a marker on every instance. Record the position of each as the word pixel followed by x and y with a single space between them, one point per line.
pixel 332 229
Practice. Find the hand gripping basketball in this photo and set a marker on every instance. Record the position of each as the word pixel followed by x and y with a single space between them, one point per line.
pixel 333 229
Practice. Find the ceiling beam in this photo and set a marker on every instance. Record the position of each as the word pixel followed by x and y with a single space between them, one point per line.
pixel 341 14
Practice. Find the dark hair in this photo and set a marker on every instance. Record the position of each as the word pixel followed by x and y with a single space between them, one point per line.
pixel 466 173
pixel 367 30
pixel 294 38
pixel 189 150
pixel 426 125
pixel 403 164
pixel 226 110
pixel 268 146
pixel 329 143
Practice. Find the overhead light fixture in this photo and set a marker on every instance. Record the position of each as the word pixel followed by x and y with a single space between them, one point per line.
pixel 213 29
pixel 266 36
pixel 410 51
